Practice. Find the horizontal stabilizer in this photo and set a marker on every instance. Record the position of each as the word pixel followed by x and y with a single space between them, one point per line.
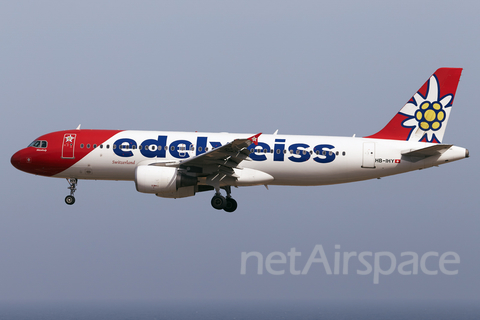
pixel 428 151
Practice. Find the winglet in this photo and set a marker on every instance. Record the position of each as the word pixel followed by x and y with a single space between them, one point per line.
pixel 254 138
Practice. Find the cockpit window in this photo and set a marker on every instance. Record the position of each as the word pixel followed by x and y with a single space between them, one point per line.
pixel 38 144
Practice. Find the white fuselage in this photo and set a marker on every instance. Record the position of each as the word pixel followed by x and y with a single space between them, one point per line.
pixel 289 159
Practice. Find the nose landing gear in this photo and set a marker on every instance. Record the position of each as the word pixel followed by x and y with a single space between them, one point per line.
pixel 219 202
pixel 73 187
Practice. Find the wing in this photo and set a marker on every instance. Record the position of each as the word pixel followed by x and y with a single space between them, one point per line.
pixel 223 158
pixel 219 161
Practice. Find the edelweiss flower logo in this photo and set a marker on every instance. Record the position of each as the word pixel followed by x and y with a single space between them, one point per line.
pixel 426 114
pixel 430 116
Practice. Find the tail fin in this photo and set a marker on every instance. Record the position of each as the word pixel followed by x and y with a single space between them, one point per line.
pixel 425 116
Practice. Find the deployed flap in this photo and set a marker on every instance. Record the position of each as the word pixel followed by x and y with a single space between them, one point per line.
pixel 428 151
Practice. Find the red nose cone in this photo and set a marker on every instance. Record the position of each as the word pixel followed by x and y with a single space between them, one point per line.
pixel 15 160
pixel 21 160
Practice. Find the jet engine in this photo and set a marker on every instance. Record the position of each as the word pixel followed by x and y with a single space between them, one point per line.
pixel 165 182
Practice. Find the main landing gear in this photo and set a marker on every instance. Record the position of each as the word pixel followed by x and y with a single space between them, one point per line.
pixel 73 187
pixel 219 202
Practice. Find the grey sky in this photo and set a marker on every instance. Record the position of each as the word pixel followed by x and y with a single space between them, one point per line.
pixel 305 67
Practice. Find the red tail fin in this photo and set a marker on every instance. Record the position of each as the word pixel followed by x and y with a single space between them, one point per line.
pixel 425 116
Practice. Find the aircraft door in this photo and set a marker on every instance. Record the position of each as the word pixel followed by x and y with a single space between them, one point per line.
pixel 68 146
pixel 368 160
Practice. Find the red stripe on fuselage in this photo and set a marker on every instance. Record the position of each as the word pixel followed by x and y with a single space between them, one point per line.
pixel 50 161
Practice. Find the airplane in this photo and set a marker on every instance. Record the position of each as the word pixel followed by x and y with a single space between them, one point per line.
pixel 181 164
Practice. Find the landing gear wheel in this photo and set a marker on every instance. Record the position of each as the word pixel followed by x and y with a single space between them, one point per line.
pixel 219 202
pixel 69 200
pixel 231 205
pixel 73 187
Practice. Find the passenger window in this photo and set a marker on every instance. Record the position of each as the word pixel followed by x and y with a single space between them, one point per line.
pixel 94 146
pixel 343 153
pixel 101 146
pixel 88 146
pixel 81 145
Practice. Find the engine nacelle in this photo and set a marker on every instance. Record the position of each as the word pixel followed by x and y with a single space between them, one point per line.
pixel 164 182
